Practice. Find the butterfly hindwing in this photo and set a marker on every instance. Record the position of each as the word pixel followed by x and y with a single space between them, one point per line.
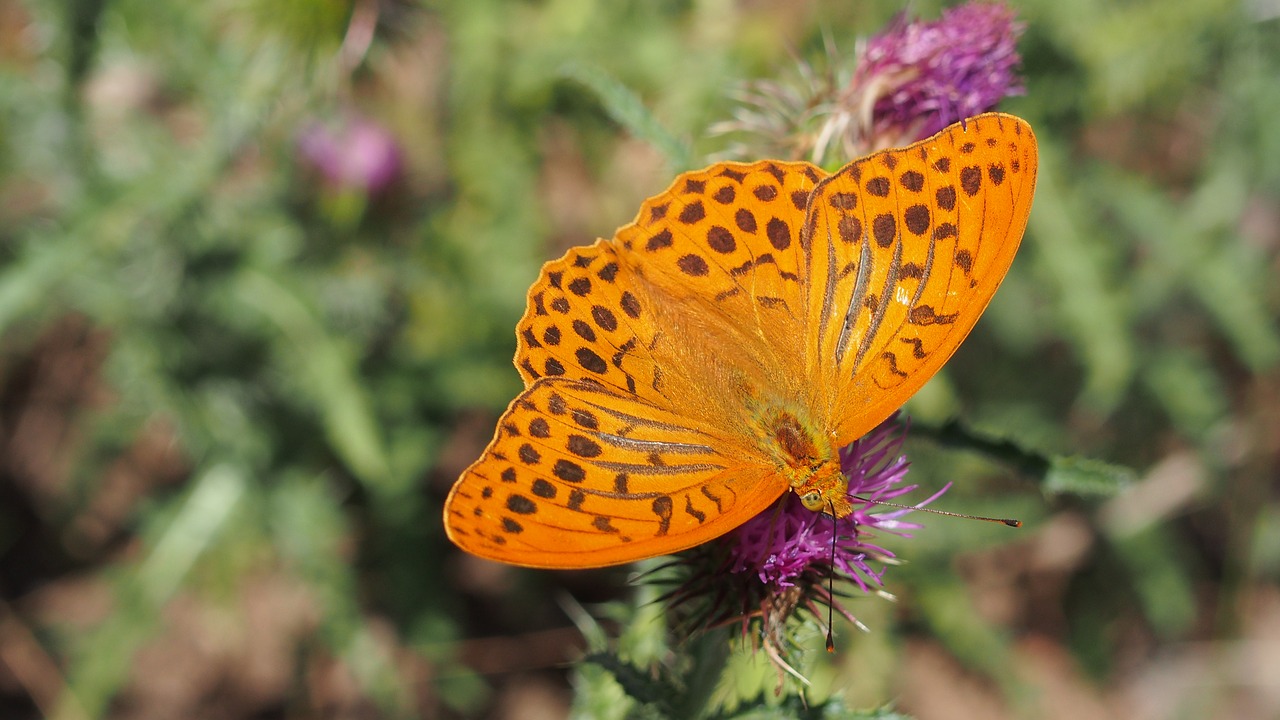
pixel 580 475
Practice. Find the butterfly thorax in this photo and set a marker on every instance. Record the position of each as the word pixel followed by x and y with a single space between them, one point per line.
pixel 810 465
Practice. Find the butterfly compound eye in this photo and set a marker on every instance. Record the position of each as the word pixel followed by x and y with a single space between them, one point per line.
pixel 813 500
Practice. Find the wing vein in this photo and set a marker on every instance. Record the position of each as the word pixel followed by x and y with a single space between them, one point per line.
pixel 859 296
pixel 657 469
pixel 886 297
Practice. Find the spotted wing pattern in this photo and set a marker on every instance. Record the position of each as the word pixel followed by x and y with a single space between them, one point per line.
pixel 587 318
pixel 727 238
pixel 581 475
pixel 711 265
pixel 750 320
pixel 907 248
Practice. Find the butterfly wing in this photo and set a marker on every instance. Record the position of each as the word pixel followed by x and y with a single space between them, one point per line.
pixel 586 319
pixel 707 276
pixel 582 475
pixel 907 248
pixel 634 437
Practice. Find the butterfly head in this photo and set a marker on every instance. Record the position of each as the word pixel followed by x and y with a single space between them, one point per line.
pixel 810 465
pixel 826 490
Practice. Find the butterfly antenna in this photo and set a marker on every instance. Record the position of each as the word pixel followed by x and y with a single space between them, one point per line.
pixel 1003 521
pixel 831 584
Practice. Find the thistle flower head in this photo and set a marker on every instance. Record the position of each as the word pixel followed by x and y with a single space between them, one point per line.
pixel 909 82
pixel 918 77
pixel 785 559
pixel 779 545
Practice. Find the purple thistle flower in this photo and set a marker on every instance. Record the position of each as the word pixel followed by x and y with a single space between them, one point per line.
pixel 782 559
pixel 780 544
pixel 910 81
pixel 354 154
pixel 918 77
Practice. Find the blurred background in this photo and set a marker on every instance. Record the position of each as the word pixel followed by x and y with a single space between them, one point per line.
pixel 260 265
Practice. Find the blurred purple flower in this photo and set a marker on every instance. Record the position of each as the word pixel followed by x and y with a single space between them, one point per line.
pixel 919 77
pixel 354 154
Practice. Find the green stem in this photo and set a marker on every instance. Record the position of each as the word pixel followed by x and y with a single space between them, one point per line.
pixel 954 434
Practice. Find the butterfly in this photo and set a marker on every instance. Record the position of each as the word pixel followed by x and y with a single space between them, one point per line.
pixel 720 349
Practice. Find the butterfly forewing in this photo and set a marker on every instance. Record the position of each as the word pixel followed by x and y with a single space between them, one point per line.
pixel 727 238
pixel 585 319
pixel 580 475
pixel 908 247
pixel 695 306
pixel 719 253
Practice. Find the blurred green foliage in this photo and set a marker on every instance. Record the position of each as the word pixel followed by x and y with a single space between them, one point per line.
pixel 325 360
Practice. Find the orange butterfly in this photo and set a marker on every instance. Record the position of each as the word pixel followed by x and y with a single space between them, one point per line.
pixel 720 349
